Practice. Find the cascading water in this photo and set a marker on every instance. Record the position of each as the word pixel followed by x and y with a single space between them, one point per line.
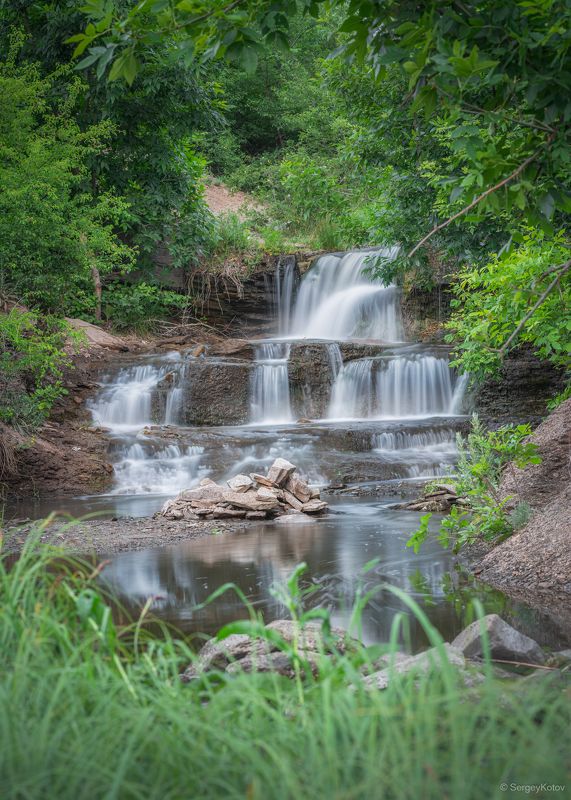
pixel 395 387
pixel 285 282
pixel 373 377
pixel 129 402
pixel 270 401
pixel 339 300
pixel 423 454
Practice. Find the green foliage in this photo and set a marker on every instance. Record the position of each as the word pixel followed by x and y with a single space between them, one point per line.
pixel 32 357
pixel 139 306
pixel 91 709
pixel 493 300
pixel 53 232
pixel 483 512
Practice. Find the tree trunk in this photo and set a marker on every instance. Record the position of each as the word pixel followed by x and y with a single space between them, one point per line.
pixel 97 286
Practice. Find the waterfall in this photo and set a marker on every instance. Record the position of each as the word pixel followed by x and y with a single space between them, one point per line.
pixel 143 468
pixel 285 284
pixel 335 359
pixel 398 387
pixel 270 401
pixel 339 300
pixel 423 454
pixel 126 400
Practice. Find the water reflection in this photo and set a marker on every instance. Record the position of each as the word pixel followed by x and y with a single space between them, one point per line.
pixel 336 549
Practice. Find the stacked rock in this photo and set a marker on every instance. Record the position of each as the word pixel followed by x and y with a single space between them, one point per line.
pixel 252 496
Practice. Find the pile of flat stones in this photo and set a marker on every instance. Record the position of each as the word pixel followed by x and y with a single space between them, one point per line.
pixel 252 496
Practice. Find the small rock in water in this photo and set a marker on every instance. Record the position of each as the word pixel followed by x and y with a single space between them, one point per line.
pixel 314 507
pixel 280 471
pixel 240 483
pixel 505 642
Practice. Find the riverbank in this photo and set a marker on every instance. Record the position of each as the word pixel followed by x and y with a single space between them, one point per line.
pixel 90 706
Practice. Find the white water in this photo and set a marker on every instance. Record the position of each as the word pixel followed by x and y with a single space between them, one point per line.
pixel 167 470
pixel 338 300
pixel 425 454
pixel 285 280
pixel 270 403
pixel 395 388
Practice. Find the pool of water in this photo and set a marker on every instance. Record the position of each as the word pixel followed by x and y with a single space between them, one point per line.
pixel 338 550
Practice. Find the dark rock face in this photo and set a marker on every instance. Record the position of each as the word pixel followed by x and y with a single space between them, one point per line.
pixel 521 392
pixel 424 312
pixel 216 392
pixel 310 379
pixel 248 306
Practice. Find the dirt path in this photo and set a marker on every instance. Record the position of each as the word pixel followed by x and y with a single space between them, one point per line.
pixel 220 200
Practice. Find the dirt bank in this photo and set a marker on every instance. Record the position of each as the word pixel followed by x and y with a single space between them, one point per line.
pixel 534 564
pixel 67 455
pixel 105 537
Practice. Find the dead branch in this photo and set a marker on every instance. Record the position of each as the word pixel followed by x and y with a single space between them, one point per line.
pixel 479 199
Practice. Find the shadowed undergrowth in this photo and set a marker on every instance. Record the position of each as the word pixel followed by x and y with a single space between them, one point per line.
pixel 90 710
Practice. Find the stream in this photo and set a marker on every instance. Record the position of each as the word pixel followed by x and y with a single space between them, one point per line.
pixel 339 393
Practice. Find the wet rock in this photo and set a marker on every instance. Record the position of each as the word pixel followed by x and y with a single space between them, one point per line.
pixel 314 507
pixel 240 483
pixel 298 488
pixel 505 642
pixel 216 392
pixel 280 471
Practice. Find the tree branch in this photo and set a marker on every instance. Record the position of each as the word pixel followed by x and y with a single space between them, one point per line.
pixel 561 270
pixel 479 199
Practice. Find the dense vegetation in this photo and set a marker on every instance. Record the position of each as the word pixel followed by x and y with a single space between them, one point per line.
pixel 446 132
pixel 94 710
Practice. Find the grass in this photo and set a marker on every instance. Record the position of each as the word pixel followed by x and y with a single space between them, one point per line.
pixel 90 711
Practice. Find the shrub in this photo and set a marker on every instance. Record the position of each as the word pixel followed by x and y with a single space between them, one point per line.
pixel 32 358
pixel 482 458
pixel 139 305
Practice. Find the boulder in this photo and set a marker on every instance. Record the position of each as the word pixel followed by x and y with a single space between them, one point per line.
pixel 280 471
pixel 240 652
pixel 298 488
pixel 240 483
pixel 292 501
pixel 250 501
pixel 505 642
pixel 429 661
pixel 256 515
pixel 209 491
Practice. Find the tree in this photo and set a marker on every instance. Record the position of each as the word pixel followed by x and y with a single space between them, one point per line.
pixel 54 234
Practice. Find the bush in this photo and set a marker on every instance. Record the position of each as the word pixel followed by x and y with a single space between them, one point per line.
pixel 482 458
pixel 139 305
pixel 32 358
